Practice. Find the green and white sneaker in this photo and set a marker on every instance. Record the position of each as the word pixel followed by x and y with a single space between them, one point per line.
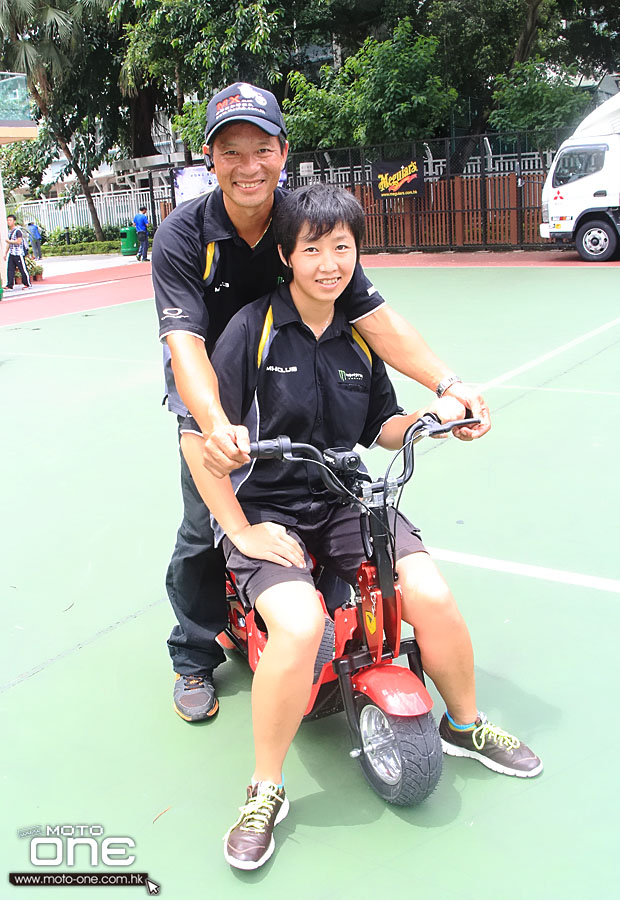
pixel 249 842
pixel 492 746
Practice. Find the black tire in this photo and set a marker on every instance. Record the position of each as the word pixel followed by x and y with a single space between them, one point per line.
pixel 596 241
pixel 406 768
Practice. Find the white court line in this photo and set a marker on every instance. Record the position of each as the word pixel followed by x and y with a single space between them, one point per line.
pixel 75 312
pixel 546 356
pixel 514 568
pixel 106 359
pixel 524 387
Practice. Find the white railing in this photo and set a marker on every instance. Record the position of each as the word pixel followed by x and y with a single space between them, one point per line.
pixel 434 168
pixel 113 208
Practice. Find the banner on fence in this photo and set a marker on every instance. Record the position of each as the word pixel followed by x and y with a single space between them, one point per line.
pixel 403 178
pixel 192 181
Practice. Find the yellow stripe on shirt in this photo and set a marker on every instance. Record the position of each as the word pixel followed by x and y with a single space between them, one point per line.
pixel 209 263
pixel 362 343
pixel 265 335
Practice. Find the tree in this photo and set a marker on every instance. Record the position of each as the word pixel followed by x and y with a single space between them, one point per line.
pixel 587 33
pixel 533 97
pixel 57 44
pixel 211 46
pixel 26 161
pixel 388 91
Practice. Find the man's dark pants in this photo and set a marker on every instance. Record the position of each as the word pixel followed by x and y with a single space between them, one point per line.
pixel 16 262
pixel 195 582
pixel 196 585
pixel 143 240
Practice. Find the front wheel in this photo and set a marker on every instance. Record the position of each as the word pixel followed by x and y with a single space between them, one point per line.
pixel 402 755
pixel 596 241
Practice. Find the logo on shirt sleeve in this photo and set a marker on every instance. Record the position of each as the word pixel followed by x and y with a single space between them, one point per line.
pixel 173 313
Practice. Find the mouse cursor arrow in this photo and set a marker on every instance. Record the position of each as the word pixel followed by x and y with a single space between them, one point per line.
pixel 152 887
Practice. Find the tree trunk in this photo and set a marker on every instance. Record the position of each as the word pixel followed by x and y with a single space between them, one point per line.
pixel 523 50
pixel 84 184
pixel 528 34
pixel 187 153
pixel 142 113
pixel 63 143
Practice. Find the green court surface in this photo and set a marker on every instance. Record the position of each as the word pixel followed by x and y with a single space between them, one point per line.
pixel 523 524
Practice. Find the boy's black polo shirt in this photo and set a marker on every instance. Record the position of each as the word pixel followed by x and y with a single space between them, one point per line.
pixel 203 273
pixel 276 378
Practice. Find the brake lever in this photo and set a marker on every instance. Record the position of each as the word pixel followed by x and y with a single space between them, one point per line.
pixel 445 427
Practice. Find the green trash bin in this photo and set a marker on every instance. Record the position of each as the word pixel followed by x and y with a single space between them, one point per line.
pixel 129 241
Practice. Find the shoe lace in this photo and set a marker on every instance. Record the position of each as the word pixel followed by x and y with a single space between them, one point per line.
pixel 257 812
pixel 494 733
pixel 193 682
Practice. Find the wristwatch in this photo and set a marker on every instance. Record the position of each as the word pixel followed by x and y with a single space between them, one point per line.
pixel 443 386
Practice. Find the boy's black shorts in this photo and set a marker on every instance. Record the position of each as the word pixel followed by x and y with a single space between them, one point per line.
pixel 335 543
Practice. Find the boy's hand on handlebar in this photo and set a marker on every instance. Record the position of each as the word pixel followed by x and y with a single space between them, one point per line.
pixel 227 448
pixel 271 542
pixel 474 401
pixel 447 409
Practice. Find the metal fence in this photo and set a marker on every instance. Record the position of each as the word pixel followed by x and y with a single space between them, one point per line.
pixel 113 208
pixel 479 192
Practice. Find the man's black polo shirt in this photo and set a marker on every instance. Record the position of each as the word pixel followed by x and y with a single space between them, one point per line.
pixel 276 378
pixel 203 273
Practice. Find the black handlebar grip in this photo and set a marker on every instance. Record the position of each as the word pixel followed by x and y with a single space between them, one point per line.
pixel 271 448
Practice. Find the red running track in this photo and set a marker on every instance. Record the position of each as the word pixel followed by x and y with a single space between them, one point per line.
pixel 85 290
pixel 93 289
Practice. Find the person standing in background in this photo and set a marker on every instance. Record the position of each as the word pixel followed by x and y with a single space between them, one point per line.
pixel 142 223
pixel 35 239
pixel 15 252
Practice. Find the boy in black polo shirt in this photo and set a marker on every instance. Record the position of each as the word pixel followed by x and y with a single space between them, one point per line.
pixel 291 363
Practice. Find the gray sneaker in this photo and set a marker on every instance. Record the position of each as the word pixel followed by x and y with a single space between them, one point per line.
pixel 194 697
pixel 492 746
pixel 249 842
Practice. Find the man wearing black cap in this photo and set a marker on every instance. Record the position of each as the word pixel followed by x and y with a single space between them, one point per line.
pixel 211 257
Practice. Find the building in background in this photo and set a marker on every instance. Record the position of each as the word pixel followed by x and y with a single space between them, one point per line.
pixel 16 124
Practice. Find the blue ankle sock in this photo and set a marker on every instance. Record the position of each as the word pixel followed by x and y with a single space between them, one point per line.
pixel 456 727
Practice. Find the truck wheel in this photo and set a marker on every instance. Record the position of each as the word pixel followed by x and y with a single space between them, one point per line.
pixel 401 756
pixel 596 241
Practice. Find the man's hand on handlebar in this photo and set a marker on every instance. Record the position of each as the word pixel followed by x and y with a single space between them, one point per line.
pixel 479 410
pixel 269 541
pixel 227 448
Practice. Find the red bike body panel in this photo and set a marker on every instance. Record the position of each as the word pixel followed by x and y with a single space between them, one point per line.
pixel 393 689
pixel 379 613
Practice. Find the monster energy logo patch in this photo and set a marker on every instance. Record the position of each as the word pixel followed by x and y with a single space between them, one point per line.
pixel 350 376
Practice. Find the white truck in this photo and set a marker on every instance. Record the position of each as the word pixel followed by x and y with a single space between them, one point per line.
pixel 581 195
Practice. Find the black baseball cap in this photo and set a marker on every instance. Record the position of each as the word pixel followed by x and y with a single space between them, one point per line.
pixel 242 102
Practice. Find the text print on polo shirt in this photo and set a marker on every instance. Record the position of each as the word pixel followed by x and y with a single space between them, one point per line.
pixel 281 370
pixel 350 376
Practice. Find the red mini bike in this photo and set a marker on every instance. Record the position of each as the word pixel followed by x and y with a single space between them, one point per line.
pixel 387 706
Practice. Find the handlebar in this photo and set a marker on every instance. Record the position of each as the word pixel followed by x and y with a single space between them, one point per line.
pixel 347 462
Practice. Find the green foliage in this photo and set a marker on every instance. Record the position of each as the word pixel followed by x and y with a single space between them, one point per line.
pixel 81 249
pixel 26 162
pixel 531 97
pixel 191 125
pixel 388 91
pixel 33 266
pixel 79 234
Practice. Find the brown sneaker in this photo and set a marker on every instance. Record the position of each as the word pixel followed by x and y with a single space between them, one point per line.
pixel 492 746
pixel 249 842
pixel 194 697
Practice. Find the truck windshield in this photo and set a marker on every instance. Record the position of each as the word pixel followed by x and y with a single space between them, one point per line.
pixel 577 162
